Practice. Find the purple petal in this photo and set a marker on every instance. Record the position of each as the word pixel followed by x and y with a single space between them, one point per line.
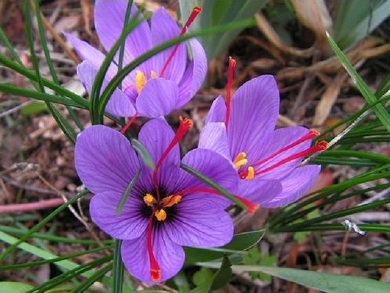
pixel 200 223
pixel 169 256
pixel 163 29
pixel 195 74
pixel 254 111
pixel 156 135
pixel 130 224
pixel 109 20
pixel 296 185
pixel 213 137
pixel 259 191
pixel 119 104
pixel 217 112
pixel 87 52
pixel 272 144
pixel 213 166
pixel 158 98
pixel 104 159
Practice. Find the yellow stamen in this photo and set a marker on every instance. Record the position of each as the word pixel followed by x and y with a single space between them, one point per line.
pixel 149 200
pixel 161 215
pixel 240 160
pixel 140 81
pixel 153 74
pixel 251 173
pixel 171 200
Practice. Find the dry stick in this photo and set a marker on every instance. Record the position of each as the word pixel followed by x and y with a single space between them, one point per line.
pixel 23 207
pixel 57 37
pixel 14 109
pixel 73 211
pixel 15 183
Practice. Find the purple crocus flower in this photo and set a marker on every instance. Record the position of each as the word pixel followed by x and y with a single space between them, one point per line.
pixel 167 208
pixel 266 160
pixel 159 85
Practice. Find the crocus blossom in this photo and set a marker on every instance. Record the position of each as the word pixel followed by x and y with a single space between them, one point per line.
pixel 266 159
pixel 167 208
pixel 159 85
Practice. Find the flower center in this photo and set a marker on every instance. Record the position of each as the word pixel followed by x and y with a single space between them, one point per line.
pixel 140 80
pixel 251 173
pixel 158 207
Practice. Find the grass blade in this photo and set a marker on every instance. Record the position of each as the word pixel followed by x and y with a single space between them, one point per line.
pixel 379 109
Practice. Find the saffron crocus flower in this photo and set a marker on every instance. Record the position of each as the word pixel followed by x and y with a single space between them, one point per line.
pixel 159 85
pixel 167 208
pixel 266 160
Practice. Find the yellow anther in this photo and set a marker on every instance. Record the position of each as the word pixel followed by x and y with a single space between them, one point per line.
pixel 140 81
pixel 149 200
pixel 251 173
pixel 240 160
pixel 171 200
pixel 239 157
pixel 161 215
pixel 241 163
pixel 153 74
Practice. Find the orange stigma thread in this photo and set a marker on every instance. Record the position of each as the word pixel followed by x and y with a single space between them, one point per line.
pixel 232 65
pixel 319 147
pixel 195 12
pixel 185 125
pixel 155 272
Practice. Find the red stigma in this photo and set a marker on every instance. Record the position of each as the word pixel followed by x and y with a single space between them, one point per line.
pixel 195 12
pixel 319 147
pixel 250 206
pixel 232 65
pixel 155 272
pixel 185 125
pixel 312 134
pixel 131 121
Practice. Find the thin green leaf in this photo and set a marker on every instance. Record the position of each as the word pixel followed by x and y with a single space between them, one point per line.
pixel 66 264
pixel 91 280
pixel 54 260
pixel 330 283
pixel 117 269
pixel 83 270
pixel 64 125
pixel 354 19
pixel 16 91
pixel 7 43
pixel 78 101
pixel 143 153
pixel 14 287
pixel 214 185
pixel 122 47
pixel 379 109
pixel 53 238
pixel 53 73
pixel 127 192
